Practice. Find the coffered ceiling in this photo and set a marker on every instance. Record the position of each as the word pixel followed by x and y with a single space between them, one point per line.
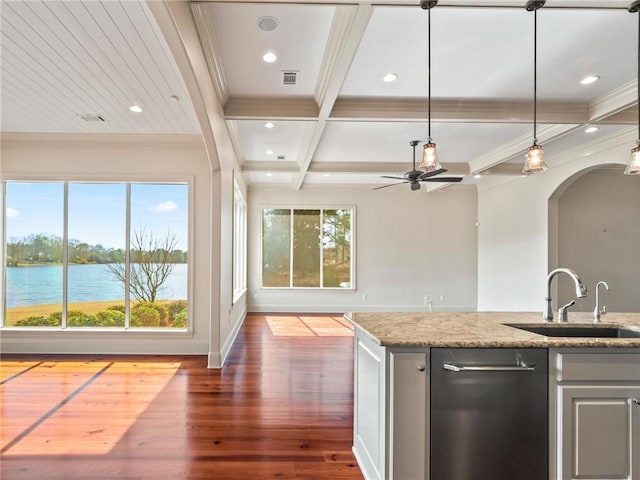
pixel 338 121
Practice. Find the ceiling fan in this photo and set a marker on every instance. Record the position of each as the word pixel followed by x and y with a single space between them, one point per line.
pixel 414 177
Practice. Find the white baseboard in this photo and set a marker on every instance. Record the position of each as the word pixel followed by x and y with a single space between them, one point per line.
pixel 217 359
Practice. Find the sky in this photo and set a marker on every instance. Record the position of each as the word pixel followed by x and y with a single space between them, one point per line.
pixel 97 211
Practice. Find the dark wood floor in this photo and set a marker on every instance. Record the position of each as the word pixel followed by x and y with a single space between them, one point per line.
pixel 281 408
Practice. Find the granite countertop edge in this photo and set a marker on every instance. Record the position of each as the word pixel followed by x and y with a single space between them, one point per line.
pixel 483 329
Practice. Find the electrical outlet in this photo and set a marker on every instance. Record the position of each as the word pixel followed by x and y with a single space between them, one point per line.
pixel 441 298
pixel 364 297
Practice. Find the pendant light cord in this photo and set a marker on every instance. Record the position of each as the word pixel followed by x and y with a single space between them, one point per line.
pixel 429 75
pixel 535 74
pixel 638 77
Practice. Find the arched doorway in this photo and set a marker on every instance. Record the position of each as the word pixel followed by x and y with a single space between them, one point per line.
pixel 594 228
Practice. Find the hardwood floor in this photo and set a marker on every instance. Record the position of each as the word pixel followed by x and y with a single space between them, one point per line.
pixel 280 408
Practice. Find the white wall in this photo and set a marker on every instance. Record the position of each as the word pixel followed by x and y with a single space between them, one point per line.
pixel 408 245
pixel 123 157
pixel 514 255
pixel 598 236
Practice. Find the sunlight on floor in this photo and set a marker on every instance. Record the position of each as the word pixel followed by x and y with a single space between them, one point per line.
pixel 309 326
pixel 70 392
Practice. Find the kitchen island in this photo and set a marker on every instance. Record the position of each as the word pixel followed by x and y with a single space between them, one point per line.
pixel 592 391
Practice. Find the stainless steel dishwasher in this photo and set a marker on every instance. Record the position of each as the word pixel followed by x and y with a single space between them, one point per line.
pixel 489 414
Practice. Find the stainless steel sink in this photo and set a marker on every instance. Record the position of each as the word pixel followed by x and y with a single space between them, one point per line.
pixel 583 331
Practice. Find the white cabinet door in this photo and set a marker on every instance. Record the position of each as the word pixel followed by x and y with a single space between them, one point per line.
pixel 600 432
pixel 409 410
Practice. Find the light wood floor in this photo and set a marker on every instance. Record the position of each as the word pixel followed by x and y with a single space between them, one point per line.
pixel 281 408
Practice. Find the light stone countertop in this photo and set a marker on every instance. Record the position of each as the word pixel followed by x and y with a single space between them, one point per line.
pixel 483 329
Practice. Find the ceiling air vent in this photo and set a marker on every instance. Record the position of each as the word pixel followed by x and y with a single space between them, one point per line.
pixel 92 117
pixel 289 78
pixel 280 157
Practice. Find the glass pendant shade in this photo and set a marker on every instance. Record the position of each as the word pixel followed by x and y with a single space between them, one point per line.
pixel 430 160
pixel 534 160
pixel 634 162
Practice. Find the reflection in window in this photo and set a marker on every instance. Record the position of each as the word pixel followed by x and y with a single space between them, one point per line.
pixel 307 248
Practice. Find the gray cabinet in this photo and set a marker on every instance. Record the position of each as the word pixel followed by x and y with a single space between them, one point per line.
pixel 597 427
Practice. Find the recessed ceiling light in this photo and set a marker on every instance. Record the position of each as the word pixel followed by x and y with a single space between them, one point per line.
pixel 589 79
pixel 591 129
pixel 269 174
pixel 327 175
pixel 390 77
pixel 135 108
pixel 269 152
pixel 269 57
pixel 268 24
pixel 269 125
pixel 477 175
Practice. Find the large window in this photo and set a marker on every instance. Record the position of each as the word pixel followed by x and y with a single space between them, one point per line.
pixel 107 255
pixel 239 243
pixel 307 248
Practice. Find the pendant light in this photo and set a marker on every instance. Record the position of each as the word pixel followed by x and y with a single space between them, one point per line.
pixel 634 161
pixel 534 159
pixel 429 154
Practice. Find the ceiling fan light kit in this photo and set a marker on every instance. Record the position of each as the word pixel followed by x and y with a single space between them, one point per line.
pixel 633 167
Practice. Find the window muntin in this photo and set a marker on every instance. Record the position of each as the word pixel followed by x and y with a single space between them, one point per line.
pixel 94 220
pixel 307 248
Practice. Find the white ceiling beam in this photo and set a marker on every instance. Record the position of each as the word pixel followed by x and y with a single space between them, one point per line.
pixel 392 168
pixel 456 110
pixel 349 25
pixel 270 108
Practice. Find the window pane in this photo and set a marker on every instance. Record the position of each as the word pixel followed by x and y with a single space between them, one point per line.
pixel 336 248
pixel 96 232
pixel 34 230
pixel 276 247
pixel 159 242
pixel 306 248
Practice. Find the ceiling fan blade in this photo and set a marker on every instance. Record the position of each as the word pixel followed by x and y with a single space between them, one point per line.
pixel 394 178
pixel 433 173
pixel 443 179
pixel 390 185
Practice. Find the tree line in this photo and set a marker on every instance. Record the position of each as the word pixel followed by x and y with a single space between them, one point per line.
pixel 42 248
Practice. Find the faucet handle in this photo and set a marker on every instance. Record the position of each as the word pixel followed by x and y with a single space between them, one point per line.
pixel 563 314
pixel 604 310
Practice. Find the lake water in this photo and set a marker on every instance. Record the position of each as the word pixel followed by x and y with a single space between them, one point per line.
pixel 87 283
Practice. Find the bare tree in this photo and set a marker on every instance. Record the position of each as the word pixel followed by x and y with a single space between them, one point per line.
pixel 150 264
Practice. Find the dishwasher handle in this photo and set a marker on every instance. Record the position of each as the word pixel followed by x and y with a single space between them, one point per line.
pixel 521 367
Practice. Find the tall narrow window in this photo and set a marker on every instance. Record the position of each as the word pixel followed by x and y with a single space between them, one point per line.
pixel 239 243
pixel 276 248
pixel 94 295
pixel 158 255
pixel 307 248
pixel 34 252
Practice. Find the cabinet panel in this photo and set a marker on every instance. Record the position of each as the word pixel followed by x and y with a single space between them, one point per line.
pixel 622 367
pixel 409 408
pixel 600 437
pixel 369 396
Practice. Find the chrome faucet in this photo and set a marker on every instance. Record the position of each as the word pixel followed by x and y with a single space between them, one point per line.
pixel 597 312
pixel 581 290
